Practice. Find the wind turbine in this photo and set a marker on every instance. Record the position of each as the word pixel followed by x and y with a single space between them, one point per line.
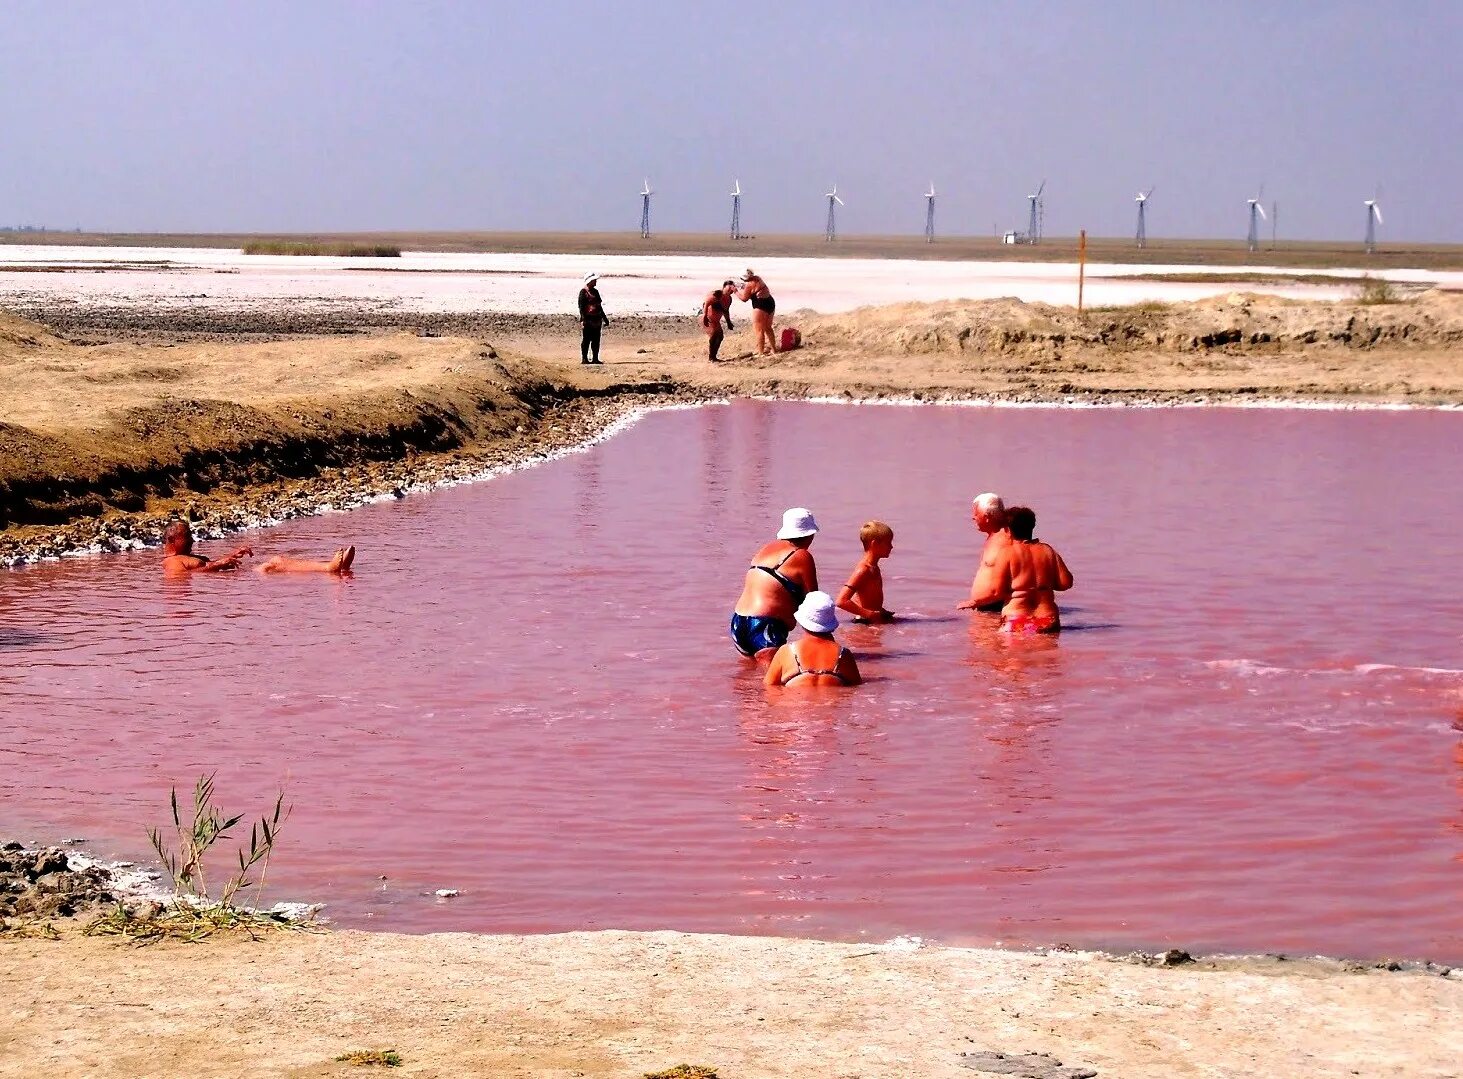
pixel 645 194
pixel 1253 239
pixel 736 222
pixel 1373 219
pixel 1033 228
pixel 830 231
pixel 1142 201
pixel 930 214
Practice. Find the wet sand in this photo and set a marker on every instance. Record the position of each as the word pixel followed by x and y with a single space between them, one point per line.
pixel 615 1004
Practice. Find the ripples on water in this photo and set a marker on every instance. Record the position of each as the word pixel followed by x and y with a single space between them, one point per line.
pixel 1243 741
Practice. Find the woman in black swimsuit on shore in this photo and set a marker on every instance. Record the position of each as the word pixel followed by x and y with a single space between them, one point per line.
pixel 764 307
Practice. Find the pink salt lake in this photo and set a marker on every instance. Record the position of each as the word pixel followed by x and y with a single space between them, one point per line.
pixel 1245 741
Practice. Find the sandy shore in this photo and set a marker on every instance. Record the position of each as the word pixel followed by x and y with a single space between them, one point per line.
pixel 109 423
pixel 615 1004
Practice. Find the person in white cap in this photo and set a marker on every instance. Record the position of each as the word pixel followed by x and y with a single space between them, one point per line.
pixel 780 577
pixel 592 317
pixel 817 659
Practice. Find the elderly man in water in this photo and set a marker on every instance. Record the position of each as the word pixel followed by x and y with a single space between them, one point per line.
pixel 989 514
pixel 179 558
pixel 1028 573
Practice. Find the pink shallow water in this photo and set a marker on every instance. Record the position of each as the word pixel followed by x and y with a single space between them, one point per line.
pixel 1245 741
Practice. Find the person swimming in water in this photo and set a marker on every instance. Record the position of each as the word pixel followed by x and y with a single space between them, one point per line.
pixel 989 514
pixel 764 309
pixel 1029 573
pixel 816 659
pixel 179 557
pixel 780 577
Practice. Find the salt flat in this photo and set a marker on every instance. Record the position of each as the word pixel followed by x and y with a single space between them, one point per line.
pixel 546 284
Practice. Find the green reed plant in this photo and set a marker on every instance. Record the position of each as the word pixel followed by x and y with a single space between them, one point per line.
pixel 194 838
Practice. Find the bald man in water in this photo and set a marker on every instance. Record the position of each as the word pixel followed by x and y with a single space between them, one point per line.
pixel 989 514
pixel 179 558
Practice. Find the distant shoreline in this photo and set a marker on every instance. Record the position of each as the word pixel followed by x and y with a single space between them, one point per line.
pixel 1299 254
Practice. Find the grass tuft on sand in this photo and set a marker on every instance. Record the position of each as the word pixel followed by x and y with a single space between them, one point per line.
pixel 382 1058
pixel 184 921
pixel 684 1071
pixel 342 250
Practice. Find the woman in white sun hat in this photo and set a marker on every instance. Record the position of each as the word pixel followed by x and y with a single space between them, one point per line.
pixel 781 575
pixel 816 659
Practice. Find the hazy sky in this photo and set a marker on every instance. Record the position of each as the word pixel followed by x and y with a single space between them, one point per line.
pixel 304 115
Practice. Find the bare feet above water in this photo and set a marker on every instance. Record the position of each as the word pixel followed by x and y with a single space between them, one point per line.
pixel 339 564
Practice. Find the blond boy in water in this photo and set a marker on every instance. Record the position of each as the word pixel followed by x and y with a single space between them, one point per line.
pixel 863 595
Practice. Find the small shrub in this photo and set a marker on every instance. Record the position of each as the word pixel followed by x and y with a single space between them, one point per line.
pixel 385 1058
pixel 1375 290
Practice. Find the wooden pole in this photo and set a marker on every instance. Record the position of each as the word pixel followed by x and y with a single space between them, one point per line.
pixel 1081 266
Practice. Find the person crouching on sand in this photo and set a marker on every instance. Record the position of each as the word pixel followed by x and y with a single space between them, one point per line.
pixel 780 577
pixel 179 557
pixel 1030 573
pixel 715 308
pixel 863 595
pixel 816 659
pixel 764 307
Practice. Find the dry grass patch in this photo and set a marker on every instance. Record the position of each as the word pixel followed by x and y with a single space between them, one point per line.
pixel 381 1058
pixel 340 250
pixel 684 1071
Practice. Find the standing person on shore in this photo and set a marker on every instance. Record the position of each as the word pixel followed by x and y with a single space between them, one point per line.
pixel 1030 574
pixel 989 514
pixel 592 317
pixel 715 308
pixel 780 577
pixel 764 307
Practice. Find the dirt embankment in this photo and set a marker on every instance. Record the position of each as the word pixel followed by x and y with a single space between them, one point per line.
pixel 1239 321
pixel 98 444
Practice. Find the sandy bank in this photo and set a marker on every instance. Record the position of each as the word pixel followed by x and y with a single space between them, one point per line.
pixel 620 1004
pixel 107 427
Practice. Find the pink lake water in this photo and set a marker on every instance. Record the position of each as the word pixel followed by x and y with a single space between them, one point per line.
pixel 1245 741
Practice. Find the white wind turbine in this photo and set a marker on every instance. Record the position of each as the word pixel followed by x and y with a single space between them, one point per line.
pixel 930 214
pixel 645 194
pixel 736 221
pixel 1142 201
pixel 1373 219
pixel 1253 238
pixel 830 231
pixel 1033 227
